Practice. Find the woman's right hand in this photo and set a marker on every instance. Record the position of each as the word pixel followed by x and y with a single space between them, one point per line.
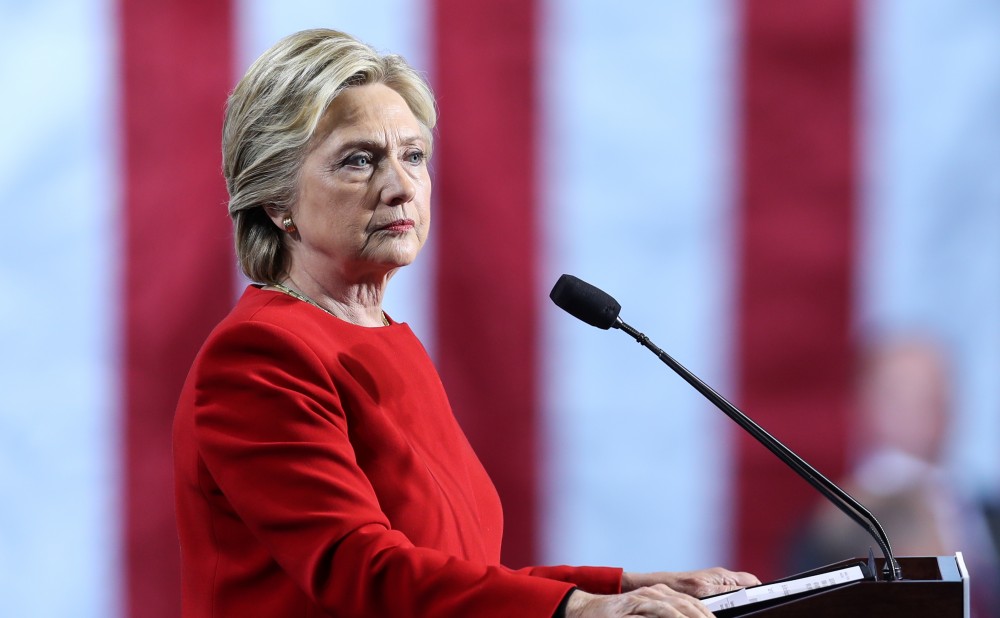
pixel 659 600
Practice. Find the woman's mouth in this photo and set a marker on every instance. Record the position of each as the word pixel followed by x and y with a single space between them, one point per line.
pixel 399 225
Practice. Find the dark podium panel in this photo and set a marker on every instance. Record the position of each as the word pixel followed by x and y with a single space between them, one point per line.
pixel 931 587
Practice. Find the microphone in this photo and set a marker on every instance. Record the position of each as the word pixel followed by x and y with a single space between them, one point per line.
pixel 585 302
pixel 597 308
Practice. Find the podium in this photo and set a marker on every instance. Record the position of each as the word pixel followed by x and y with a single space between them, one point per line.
pixel 935 586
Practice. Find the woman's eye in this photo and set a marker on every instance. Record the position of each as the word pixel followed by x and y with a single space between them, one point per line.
pixel 359 160
pixel 416 157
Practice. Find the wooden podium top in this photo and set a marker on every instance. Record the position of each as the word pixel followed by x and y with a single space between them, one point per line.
pixel 932 587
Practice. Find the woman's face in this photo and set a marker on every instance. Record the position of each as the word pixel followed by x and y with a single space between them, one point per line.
pixel 363 202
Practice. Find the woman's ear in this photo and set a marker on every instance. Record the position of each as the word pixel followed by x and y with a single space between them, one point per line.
pixel 276 214
pixel 281 218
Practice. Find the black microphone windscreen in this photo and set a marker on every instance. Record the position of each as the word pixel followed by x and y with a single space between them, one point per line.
pixel 585 302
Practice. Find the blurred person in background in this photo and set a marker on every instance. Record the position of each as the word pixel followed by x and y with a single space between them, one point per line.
pixel 904 409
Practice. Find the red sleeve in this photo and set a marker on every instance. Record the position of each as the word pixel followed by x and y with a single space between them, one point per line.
pixel 595 580
pixel 271 430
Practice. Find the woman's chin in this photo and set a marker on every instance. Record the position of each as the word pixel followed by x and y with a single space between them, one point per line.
pixel 401 252
pixel 396 258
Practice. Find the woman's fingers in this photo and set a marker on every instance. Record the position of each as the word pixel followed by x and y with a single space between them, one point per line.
pixel 700 583
pixel 669 602
pixel 659 601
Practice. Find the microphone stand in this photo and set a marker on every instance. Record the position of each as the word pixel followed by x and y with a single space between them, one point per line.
pixel 851 507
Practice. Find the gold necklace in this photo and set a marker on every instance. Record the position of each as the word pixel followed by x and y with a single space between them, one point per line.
pixel 306 299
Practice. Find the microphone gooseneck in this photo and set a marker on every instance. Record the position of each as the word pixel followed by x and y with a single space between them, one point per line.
pixel 597 308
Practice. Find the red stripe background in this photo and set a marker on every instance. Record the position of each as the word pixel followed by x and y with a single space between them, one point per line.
pixel 177 60
pixel 798 192
pixel 486 244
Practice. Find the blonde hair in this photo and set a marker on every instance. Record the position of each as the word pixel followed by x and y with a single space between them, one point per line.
pixel 270 120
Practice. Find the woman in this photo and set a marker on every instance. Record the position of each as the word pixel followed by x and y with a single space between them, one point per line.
pixel 319 469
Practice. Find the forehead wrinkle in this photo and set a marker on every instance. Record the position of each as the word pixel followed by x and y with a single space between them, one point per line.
pixel 368 123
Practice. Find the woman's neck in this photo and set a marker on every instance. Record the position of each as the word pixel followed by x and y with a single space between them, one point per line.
pixel 357 302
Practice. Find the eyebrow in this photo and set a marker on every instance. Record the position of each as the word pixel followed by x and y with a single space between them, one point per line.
pixel 371 144
pixel 358 144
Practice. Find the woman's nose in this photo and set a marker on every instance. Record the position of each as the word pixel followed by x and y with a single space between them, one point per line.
pixel 399 187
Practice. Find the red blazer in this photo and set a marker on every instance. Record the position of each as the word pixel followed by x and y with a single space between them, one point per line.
pixel 320 472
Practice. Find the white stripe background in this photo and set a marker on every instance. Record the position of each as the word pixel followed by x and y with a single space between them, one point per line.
pixel 59 409
pixel 637 145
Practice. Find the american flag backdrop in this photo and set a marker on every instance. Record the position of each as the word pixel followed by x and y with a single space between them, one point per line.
pixel 760 183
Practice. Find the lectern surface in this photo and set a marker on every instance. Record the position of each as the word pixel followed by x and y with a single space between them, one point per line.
pixel 935 586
